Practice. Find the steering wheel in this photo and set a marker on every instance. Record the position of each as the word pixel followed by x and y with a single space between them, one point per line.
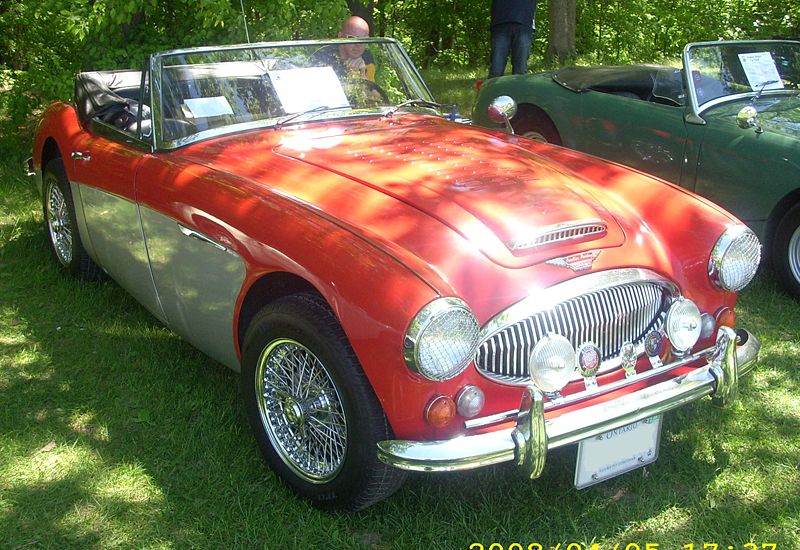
pixel 365 92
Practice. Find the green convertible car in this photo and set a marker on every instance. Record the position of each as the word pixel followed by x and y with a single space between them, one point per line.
pixel 726 125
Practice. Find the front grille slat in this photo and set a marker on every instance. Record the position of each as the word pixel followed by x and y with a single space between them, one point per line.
pixel 607 317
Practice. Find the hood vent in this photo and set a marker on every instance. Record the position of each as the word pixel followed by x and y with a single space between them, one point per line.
pixel 560 232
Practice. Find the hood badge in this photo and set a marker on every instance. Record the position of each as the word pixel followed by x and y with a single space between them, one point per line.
pixel 576 262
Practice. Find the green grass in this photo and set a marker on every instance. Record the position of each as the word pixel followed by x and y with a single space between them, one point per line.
pixel 449 86
pixel 116 433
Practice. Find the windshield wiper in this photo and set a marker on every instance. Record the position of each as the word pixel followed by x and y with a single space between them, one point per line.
pixel 761 90
pixel 317 109
pixel 419 102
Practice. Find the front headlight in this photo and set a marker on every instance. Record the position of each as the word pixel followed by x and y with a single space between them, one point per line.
pixel 441 339
pixel 734 259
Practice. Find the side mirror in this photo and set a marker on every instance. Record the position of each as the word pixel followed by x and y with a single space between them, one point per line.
pixel 748 118
pixel 501 110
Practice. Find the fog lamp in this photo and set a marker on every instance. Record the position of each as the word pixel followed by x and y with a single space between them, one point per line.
pixel 469 401
pixel 552 362
pixel 683 324
pixel 440 411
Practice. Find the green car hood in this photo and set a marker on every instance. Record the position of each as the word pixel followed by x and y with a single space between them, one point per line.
pixel 775 115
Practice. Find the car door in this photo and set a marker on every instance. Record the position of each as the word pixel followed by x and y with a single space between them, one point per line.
pixel 744 170
pixel 642 134
pixel 105 162
pixel 197 272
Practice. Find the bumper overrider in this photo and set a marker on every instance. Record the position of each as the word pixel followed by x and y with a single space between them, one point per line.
pixel 526 444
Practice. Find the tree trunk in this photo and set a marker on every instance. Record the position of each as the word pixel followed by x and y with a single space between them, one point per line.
pixel 364 9
pixel 561 42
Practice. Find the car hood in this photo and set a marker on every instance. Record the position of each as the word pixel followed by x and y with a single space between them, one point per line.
pixel 775 115
pixel 493 192
pixel 437 190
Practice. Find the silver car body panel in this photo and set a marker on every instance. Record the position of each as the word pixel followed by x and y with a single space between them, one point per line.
pixel 198 281
pixel 118 245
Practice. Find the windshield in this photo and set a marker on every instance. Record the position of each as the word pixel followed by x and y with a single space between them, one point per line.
pixel 206 92
pixel 725 69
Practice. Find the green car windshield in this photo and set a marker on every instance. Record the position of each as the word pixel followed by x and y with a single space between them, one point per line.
pixel 719 70
pixel 205 92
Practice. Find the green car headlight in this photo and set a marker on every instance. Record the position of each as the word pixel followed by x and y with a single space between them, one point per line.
pixel 441 339
pixel 734 259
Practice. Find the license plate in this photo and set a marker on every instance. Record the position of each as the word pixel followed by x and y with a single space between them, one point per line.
pixel 617 451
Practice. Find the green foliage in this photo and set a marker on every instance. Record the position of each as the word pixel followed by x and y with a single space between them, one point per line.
pixel 43 43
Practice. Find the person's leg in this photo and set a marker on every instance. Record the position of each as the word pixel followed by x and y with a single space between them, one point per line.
pixel 501 42
pixel 520 48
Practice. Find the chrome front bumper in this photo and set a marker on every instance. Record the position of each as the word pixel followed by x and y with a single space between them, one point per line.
pixel 529 440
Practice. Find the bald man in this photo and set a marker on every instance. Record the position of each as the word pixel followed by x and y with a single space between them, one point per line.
pixel 351 59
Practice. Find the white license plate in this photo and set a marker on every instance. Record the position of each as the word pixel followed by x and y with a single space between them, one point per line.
pixel 617 451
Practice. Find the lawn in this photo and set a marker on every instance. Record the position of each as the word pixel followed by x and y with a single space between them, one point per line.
pixel 116 433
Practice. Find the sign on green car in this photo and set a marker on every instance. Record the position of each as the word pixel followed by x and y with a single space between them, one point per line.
pixel 726 125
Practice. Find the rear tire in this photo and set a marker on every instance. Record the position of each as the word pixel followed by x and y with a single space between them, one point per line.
pixel 785 253
pixel 62 226
pixel 313 412
pixel 533 123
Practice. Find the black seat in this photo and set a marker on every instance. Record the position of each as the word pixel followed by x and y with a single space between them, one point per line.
pixel 93 98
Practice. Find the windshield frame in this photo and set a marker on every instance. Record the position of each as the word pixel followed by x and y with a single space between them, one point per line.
pixel 698 108
pixel 403 64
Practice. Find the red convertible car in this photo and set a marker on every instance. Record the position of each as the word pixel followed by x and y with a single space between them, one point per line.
pixel 399 291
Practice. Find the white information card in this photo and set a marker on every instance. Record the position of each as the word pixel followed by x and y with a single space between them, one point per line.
pixel 761 71
pixel 303 89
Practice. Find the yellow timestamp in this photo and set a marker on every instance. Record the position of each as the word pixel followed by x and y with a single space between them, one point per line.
pixel 566 546
pixel 620 546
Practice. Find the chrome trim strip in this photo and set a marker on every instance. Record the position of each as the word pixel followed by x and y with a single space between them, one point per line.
pixel 560 232
pixel 474 451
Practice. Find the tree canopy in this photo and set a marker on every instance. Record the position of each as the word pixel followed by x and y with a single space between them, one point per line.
pixel 44 42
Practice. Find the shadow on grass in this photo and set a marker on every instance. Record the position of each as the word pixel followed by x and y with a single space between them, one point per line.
pixel 151 448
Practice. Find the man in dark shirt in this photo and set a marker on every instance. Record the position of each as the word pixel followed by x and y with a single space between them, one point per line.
pixel 513 25
pixel 351 60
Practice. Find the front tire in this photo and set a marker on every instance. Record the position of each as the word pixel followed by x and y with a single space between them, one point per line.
pixel 785 253
pixel 311 408
pixel 533 123
pixel 62 226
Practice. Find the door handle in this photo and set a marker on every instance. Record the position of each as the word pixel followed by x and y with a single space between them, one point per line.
pixel 200 237
pixel 79 155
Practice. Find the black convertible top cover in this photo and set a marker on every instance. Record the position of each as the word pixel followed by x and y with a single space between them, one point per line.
pixel 622 77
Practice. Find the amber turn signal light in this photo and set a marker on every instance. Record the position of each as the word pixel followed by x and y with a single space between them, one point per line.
pixel 440 411
pixel 726 317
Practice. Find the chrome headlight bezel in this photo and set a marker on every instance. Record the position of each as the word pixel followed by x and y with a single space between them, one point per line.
pixel 737 250
pixel 423 327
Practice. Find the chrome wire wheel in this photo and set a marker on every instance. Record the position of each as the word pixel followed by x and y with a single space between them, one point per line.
pixel 301 410
pixel 535 136
pixel 58 223
pixel 793 254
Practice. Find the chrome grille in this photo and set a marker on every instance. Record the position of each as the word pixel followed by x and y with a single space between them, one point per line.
pixel 608 317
